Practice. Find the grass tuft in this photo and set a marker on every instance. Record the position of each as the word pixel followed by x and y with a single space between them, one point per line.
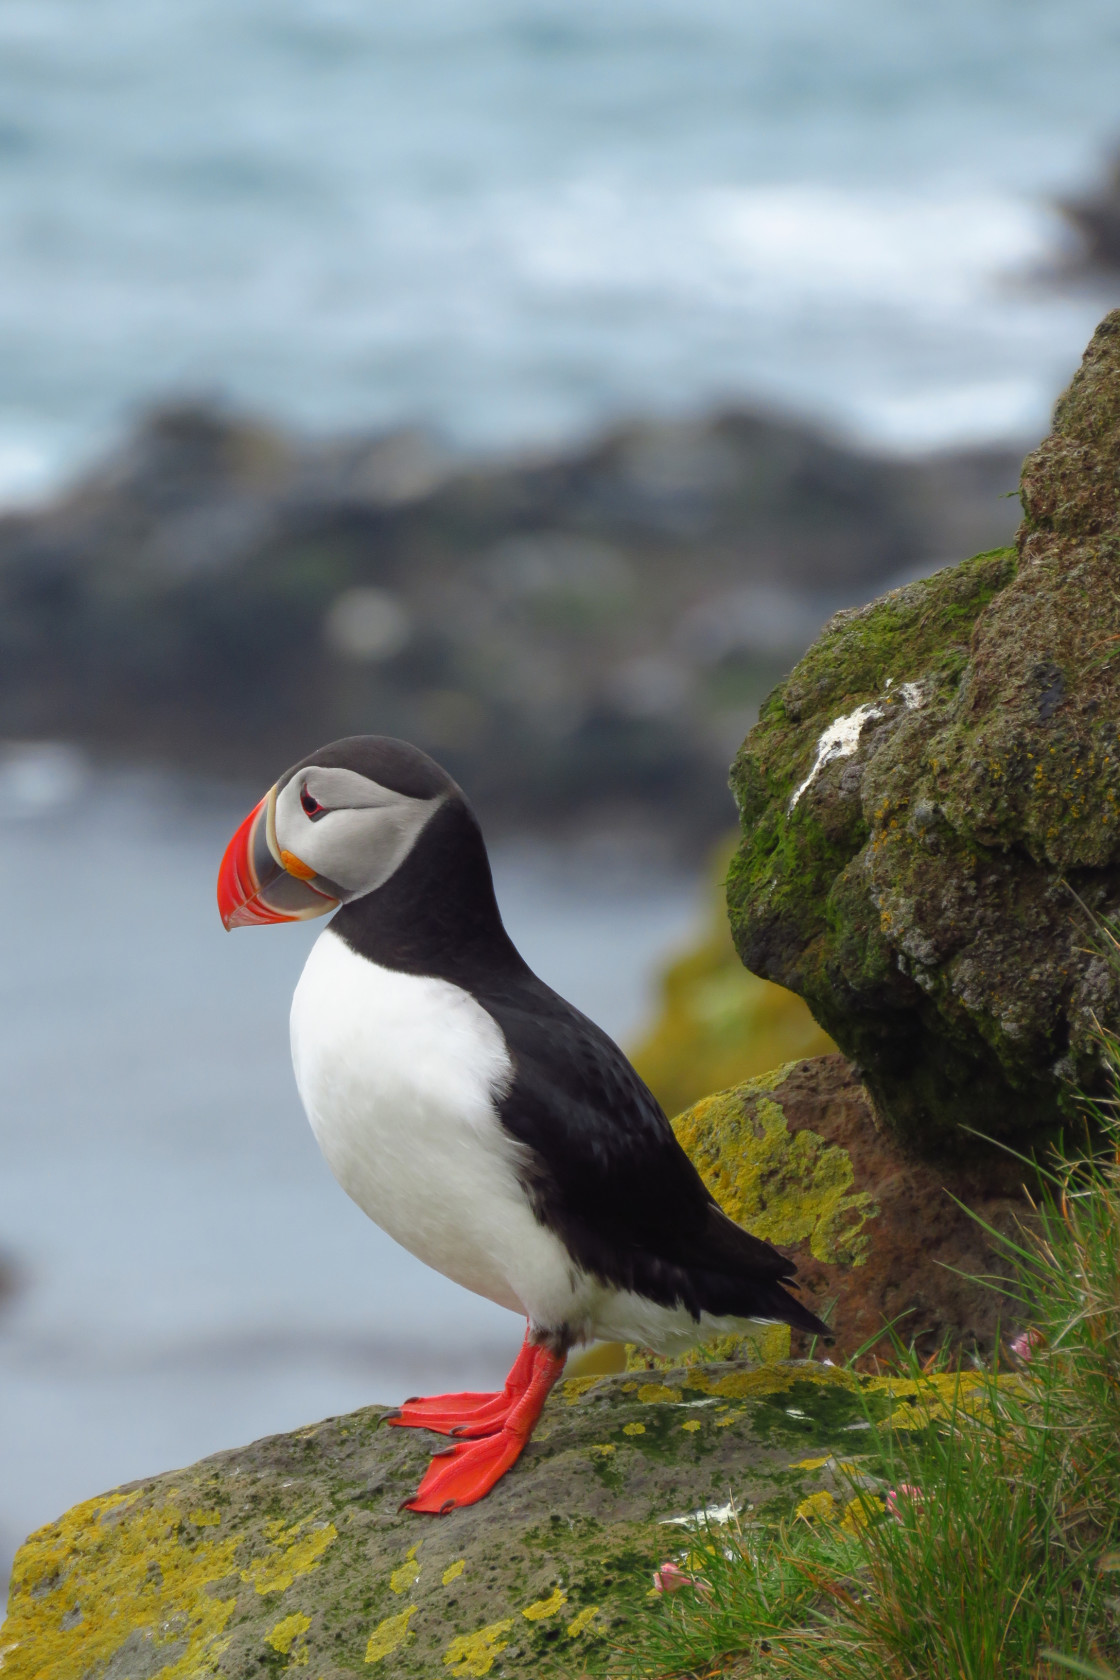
pixel 991 1550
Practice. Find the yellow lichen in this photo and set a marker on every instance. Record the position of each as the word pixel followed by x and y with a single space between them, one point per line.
pixel 928 1399
pixel 284 1635
pixel 388 1636
pixel 633 1429
pixel 816 1507
pixel 576 1387
pixel 786 1187
pixel 407 1573
pixel 766 1345
pixel 205 1519
pixel 292 1556
pixel 453 1571
pixel 692 1425
pixel 545 1607
pixel 110 1569
pixel 474 1653
pixel 602 1448
pixel 576 1627
pixel 771 1343
pixel 770 1379
pixel 651 1393
pixel 858 1512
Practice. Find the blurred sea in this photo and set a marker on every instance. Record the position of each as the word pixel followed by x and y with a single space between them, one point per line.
pixel 191 1275
pixel 515 219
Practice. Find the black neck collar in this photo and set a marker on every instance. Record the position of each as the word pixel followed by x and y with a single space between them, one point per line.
pixel 437 914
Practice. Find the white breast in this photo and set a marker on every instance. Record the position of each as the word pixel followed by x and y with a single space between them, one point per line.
pixel 399 1074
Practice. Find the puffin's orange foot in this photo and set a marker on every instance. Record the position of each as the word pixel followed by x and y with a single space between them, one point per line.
pixel 445 1413
pixel 469 1414
pixel 466 1473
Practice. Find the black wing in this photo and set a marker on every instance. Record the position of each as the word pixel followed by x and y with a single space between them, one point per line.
pixel 609 1177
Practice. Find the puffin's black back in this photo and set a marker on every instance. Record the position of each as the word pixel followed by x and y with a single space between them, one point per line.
pixel 608 1175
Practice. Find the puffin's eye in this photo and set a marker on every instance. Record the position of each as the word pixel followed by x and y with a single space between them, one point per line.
pixel 310 804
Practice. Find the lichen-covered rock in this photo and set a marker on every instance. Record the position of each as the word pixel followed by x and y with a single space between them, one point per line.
pixel 291 1555
pixel 877 1236
pixel 926 793
pixel 716 1024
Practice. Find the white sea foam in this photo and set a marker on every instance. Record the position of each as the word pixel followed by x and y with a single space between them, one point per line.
pixel 518 221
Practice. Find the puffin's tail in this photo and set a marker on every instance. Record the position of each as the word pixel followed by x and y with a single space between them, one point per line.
pixel 740 1276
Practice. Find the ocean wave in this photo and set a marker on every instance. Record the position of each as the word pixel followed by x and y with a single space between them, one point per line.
pixel 519 224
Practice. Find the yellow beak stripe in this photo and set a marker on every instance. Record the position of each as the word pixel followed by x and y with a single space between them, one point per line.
pixel 296 866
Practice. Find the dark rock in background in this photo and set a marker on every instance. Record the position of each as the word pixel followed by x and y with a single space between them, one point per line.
pixel 584 633
pixel 926 793
pixel 1096 219
pixel 10 1278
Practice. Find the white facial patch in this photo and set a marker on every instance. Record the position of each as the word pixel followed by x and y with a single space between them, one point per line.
pixel 363 832
pixel 346 790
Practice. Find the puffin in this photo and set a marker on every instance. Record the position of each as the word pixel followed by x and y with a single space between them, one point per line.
pixel 483 1122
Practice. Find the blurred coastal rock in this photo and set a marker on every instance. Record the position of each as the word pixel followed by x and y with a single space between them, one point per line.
pixel 1095 218
pixel 931 802
pixel 292 1555
pixel 715 1023
pixel 878 1237
pixel 590 630
pixel 10 1278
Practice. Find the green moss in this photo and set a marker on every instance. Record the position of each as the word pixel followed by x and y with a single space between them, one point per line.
pixel 915 889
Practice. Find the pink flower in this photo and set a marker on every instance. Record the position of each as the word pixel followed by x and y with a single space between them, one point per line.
pixel 905 1490
pixel 671 1578
pixel 1024 1342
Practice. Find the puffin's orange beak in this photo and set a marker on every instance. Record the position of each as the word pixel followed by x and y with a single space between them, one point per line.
pixel 255 886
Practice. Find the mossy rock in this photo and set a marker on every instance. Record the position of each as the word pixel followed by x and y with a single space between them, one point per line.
pixel 291 1555
pixel 933 794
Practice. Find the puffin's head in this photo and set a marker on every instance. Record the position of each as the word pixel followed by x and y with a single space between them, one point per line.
pixel 334 827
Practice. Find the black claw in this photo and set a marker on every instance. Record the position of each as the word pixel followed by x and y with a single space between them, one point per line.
pixel 391 1416
pixel 448 1505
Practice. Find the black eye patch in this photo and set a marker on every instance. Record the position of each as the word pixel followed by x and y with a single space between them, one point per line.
pixel 311 805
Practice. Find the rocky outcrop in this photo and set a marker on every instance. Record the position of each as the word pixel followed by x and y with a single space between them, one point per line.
pixel 583 632
pixel 879 1238
pixel 291 1555
pixel 933 795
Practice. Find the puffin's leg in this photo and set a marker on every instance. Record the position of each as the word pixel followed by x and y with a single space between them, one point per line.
pixel 466 1473
pixel 468 1414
